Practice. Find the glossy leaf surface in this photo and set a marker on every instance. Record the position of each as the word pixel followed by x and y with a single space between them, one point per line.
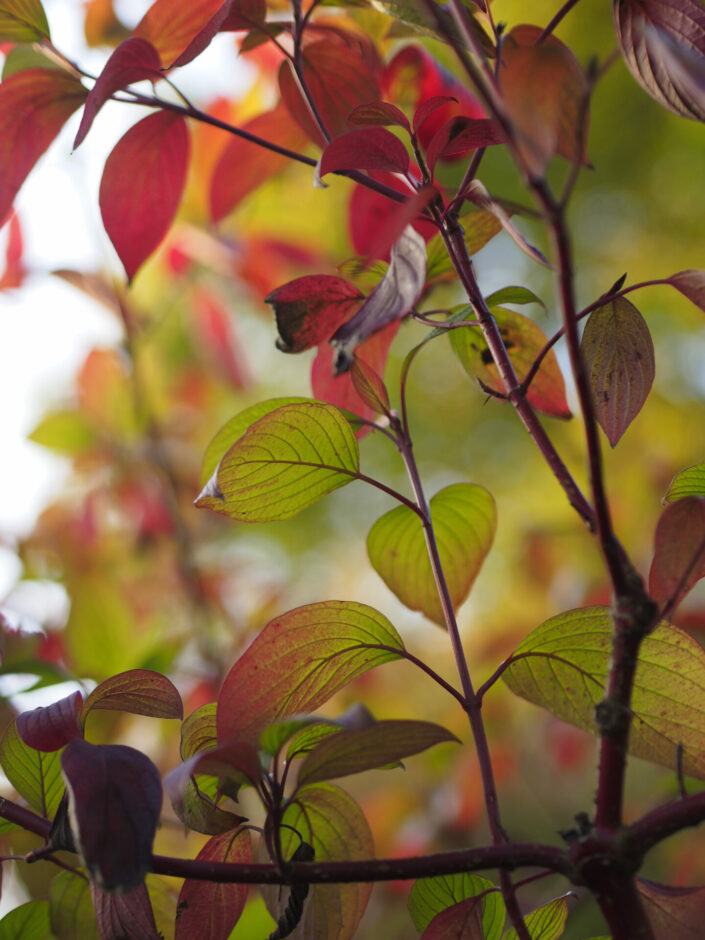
pixel 562 666
pixel 430 896
pixel 619 356
pixel 286 461
pixel 679 550
pixel 299 661
pixel 464 518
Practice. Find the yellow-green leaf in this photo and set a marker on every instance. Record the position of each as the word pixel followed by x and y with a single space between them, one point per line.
pixel 36 775
pixel 22 21
pixel 429 896
pixel 689 482
pixel 546 922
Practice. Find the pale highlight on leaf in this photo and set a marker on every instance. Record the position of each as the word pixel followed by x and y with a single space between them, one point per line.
pixel 464 519
pixel 285 462
pixel 679 550
pixel 299 661
pixel 562 666
pixel 619 355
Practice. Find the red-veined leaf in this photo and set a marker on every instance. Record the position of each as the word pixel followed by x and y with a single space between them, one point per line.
pixel 117 790
pixel 426 109
pixel 34 774
pixel 385 742
pixel 381 113
pixel 689 482
pixel 430 896
pixel 71 909
pixel 133 61
pixel 142 184
pixel 462 921
pixel 299 661
pixel 663 44
pixel 126 916
pixel 22 21
pixel 50 727
pixel 34 106
pixel 285 462
pixel 370 387
pixel 546 922
pixel 461 135
pixel 243 166
pixel 477 193
pixel 138 691
pixel 393 298
pixel 674 912
pixel 465 520
pixel 562 666
pixel 180 29
pixel 679 550
pixel 310 309
pixel 619 356
pixel 207 910
pixel 546 96
pixel 524 340
pixel 371 148
pixel 691 284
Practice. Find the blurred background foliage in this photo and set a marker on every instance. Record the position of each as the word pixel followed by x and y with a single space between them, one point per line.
pixel 148 581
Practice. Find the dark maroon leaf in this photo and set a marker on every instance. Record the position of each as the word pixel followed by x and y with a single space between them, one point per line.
pixel 139 691
pixel 462 135
pixel 244 14
pixel 115 797
pixel 679 551
pixel 427 108
pixel 50 727
pixel 381 113
pixel 310 309
pixel 663 44
pixel 691 284
pixel 133 61
pixel 126 916
pixel 372 148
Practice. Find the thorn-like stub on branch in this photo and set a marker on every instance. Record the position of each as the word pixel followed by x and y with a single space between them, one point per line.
pixel 611 717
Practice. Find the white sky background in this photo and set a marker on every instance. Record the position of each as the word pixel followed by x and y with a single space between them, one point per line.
pixel 47 328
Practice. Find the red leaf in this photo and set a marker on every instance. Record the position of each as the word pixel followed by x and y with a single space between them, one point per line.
pixel 461 135
pixel 373 148
pixel 691 284
pixel 310 309
pixel 216 330
pixel 209 911
pixel 34 106
pixel 50 727
pixel 244 14
pixel 462 921
pixel 138 691
pixel 180 29
pixel 133 61
pixel 679 551
pixel 142 184
pixel 663 44
pixel 243 166
pixel 126 916
pixel 427 107
pixel 380 113
pixel 369 218
pixel 339 77
pixel 115 797
pixel 13 275
pixel 396 220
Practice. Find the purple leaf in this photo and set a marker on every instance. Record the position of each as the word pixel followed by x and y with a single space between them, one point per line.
pixel 126 916
pixel 50 727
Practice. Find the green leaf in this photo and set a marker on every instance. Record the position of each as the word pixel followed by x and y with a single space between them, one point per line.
pixel 29 921
pixel 619 356
pixel 233 430
pixel 429 896
pixel 327 818
pixel 71 909
pixel 514 295
pixel 464 519
pixel 421 21
pixel 562 666
pixel 197 809
pixel 138 691
pixel 299 661
pixel 22 21
pixel 285 462
pixel 383 743
pixel 689 482
pixel 546 922
pixel 36 775
pixel 524 340
pixel 23 57
pixel 67 432
pixel 306 731
pixel 198 731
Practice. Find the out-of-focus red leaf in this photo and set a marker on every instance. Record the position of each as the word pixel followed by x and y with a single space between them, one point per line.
pixel 310 309
pixel 50 727
pixel 138 691
pixel 428 106
pixel 142 185
pixel 216 330
pixel 180 29
pixel 663 44
pixel 369 218
pixel 675 913
pixel 243 166
pixel 392 298
pixel 546 95
pixel 379 113
pixel 461 921
pixel 244 14
pixel 134 60
pixel 679 550
pixel 339 390
pixel 115 797
pixel 126 916
pixel 34 106
pixel 14 272
pixel 397 219
pixel 461 135
pixel 264 263
pixel 372 148
pixel 339 77
pixel 209 911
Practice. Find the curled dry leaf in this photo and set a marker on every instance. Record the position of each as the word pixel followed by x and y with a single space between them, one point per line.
pixel 477 193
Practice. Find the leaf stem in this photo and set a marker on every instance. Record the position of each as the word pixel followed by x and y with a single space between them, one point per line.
pixel 565 9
